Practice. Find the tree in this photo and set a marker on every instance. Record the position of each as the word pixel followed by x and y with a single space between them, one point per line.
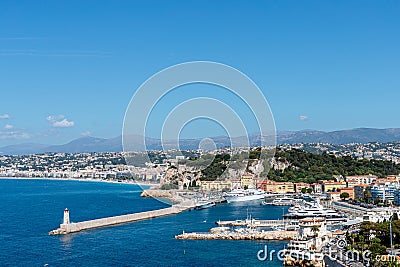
pixel 377 200
pixel 315 230
pixel 309 190
pixel 246 187
pixel 304 190
pixel 344 195
pixel 367 195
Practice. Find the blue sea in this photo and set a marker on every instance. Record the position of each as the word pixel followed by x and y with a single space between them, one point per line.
pixel 29 209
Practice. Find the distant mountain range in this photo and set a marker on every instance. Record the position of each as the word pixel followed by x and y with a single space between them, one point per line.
pixel 93 144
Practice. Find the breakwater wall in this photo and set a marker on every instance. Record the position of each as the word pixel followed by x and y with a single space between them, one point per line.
pixel 230 235
pixel 71 227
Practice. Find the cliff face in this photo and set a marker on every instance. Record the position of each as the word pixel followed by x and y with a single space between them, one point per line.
pixel 182 176
pixel 170 176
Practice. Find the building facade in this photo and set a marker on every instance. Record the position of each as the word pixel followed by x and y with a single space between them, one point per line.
pixel 348 190
pixel 360 191
pixel 276 187
pixel 385 192
pixel 360 179
pixel 329 186
pixel 215 185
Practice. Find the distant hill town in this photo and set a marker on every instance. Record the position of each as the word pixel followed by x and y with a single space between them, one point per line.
pixel 93 144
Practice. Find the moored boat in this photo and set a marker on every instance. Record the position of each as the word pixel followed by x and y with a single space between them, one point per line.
pixel 204 204
pixel 239 195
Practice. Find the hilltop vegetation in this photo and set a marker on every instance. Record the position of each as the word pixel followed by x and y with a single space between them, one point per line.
pixel 309 167
pixel 290 165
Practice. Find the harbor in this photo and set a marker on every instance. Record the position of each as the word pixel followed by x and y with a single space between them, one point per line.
pixel 313 228
pixel 310 225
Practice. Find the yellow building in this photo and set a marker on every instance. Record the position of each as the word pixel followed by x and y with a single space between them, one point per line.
pixel 299 186
pixel 276 187
pixel 215 185
pixel 247 181
pixel 284 187
pixel 328 186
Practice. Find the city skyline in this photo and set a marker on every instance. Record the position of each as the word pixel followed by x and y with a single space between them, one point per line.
pixel 69 72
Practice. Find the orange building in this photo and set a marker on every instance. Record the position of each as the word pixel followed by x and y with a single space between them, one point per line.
pixel 349 190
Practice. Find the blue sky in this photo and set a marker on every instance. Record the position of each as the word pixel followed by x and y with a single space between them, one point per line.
pixel 69 68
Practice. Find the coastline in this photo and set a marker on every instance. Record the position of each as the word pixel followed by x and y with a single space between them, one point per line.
pixel 94 180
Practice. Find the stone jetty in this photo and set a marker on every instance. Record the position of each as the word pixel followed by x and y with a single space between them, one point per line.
pixel 155 193
pixel 245 235
pixel 70 227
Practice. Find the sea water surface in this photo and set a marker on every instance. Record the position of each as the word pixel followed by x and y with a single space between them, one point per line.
pixel 29 209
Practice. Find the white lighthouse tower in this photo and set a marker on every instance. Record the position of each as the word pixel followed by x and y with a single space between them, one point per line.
pixel 66 216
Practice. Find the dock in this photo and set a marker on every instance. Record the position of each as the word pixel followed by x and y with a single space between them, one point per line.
pixel 68 227
pixel 253 223
pixel 349 208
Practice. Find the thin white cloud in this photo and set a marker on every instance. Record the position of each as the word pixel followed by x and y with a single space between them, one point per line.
pixel 303 118
pixel 4 117
pixel 8 127
pixel 14 135
pixel 60 121
pixel 31 52
pixel 63 124
pixel 52 118
pixel 86 133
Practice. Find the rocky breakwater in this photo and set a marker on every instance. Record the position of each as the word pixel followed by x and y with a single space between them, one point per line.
pixel 156 193
pixel 303 263
pixel 244 234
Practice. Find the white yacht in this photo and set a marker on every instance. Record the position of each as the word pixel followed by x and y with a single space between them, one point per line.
pixel 283 201
pixel 313 210
pixel 204 204
pixel 239 195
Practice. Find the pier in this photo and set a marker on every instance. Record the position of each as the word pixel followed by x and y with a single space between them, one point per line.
pixel 71 227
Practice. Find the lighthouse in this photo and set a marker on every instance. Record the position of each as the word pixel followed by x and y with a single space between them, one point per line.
pixel 66 216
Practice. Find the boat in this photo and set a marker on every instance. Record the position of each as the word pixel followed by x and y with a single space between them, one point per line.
pixel 277 228
pixel 239 195
pixel 313 210
pixel 283 201
pixel 204 204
